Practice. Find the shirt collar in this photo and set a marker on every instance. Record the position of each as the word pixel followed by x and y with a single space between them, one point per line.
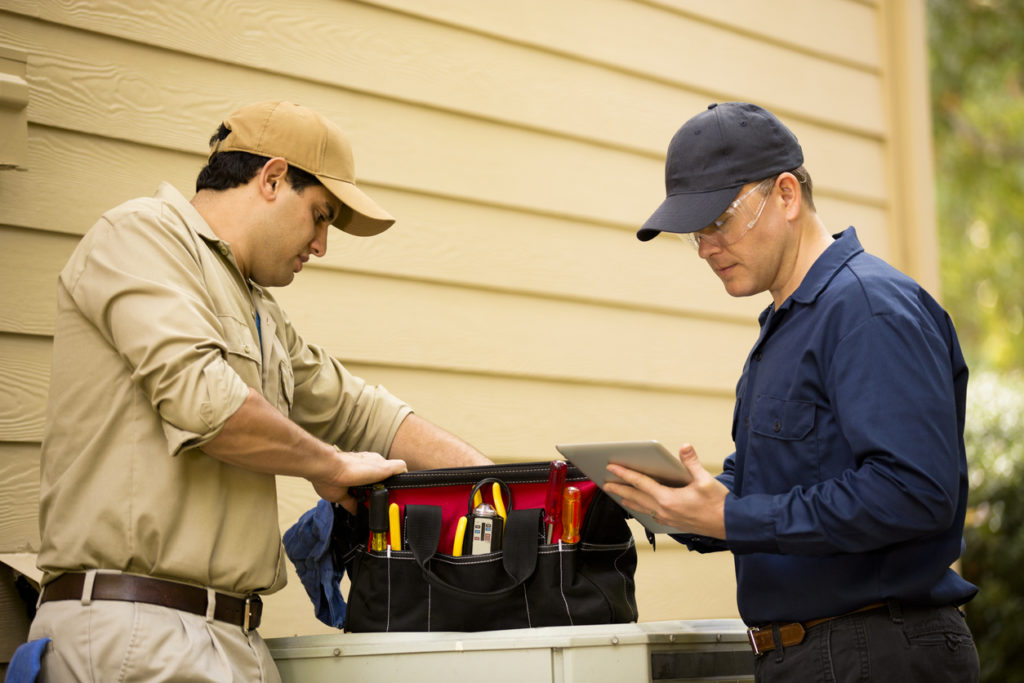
pixel 831 261
pixel 195 221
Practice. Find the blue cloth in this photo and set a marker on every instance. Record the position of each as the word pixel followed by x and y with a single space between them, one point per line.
pixel 26 662
pixel 308 545
pixel 848 485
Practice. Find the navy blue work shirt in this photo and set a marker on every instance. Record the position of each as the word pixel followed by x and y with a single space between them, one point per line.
pixel 849 481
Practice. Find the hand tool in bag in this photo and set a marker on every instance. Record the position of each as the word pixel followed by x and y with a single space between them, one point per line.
pixel 460 535
pixel 486 528
pixel 395 520
pixel 498 504
pixel 483 522
pixel 378 518
pixel 553 502
pixel 572 515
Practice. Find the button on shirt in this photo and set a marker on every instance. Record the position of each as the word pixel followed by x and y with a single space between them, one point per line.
pixel 849 480
pixel 158 338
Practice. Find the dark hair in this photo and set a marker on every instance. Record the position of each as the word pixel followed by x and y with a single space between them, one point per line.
pixel 806 185
pixel 225 170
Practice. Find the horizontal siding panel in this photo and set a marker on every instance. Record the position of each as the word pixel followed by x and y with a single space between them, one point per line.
pixel 705 584
pixel 844 31
pixel 19 497
pixel 694 55
pixel 128 91
pixel 90 175
pixel 492 248
pixel 24 382
pixel 872 223
pixel 436 326
pixel 30 261
pixel 842 165
pixel 124 92
pixel 564 73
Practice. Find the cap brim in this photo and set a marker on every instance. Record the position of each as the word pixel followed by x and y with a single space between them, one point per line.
pixel 366 217
pixel 682 213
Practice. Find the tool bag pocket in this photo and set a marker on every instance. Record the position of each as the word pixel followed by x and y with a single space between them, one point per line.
pixel 419 585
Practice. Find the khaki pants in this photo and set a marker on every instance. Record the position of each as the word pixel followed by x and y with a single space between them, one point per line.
pixel 108 640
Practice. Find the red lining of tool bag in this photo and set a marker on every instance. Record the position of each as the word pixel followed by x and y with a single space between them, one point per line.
pixel 454 502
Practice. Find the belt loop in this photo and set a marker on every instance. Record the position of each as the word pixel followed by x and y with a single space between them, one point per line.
pixel 780 649
pixel 211 603
pixel 87 584
pixel 895 611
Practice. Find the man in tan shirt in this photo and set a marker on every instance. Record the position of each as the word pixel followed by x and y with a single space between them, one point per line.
pixel 180 389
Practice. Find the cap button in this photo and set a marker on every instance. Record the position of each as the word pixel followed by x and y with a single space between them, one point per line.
pixel 712 105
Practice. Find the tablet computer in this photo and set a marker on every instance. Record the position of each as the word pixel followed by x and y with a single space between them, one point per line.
pixel 649 457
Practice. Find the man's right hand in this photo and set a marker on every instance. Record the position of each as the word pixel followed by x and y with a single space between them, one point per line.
pixel 354 469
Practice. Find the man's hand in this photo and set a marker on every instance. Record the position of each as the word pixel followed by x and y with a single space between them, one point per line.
pixel 354 469
pixel 697 508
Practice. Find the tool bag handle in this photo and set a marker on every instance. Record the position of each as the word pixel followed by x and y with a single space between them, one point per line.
pixel 519 548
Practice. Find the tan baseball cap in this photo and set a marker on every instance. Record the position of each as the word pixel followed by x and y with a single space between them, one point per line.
pixel 306 140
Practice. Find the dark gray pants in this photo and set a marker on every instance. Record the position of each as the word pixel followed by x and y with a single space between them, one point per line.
pixel 901 644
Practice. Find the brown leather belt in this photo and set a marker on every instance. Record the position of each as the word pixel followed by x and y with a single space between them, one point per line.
pixel 762 640
pixel 245 612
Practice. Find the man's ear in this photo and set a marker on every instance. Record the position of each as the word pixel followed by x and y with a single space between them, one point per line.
pixel 270 177
pixel 789 191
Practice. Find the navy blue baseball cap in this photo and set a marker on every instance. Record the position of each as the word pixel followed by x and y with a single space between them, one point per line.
pixel 712 156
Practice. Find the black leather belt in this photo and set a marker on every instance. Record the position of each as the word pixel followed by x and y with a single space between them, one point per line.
pixel 245 612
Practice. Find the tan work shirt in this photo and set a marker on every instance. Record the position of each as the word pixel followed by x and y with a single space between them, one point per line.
pixel 156 342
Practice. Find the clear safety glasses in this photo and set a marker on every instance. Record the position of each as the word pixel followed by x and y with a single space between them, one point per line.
pixel 728 229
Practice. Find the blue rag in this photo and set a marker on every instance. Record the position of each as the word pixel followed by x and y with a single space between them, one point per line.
pixel 26 662
pixel 308 545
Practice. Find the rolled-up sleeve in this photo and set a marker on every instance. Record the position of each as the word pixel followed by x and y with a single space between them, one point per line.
pixel 155 310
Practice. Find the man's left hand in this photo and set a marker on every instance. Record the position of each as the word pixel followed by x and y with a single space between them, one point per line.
pixel 697 508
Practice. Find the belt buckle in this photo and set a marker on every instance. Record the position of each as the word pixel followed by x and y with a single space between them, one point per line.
pixel 751 632
pixel 253 613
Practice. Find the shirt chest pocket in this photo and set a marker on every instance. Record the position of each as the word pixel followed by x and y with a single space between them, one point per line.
pixel 783 446
pixel 243 351
pixel 274 379
pixel 280 385
pixel 782 419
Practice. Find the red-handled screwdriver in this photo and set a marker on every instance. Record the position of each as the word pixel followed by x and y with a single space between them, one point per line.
pixel 553 501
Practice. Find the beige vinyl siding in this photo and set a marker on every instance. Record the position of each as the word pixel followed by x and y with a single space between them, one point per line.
pixel 520 145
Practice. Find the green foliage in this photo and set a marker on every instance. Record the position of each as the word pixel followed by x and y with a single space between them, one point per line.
pixel 977 85
pixel 977 80
pixel 995 523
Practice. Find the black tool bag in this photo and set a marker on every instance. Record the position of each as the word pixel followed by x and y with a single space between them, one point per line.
pixel 417 584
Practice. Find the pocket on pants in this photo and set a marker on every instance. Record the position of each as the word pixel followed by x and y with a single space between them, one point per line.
pixel 946 628
pixel 941 641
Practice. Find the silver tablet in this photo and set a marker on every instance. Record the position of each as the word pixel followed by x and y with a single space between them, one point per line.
pixel 649 457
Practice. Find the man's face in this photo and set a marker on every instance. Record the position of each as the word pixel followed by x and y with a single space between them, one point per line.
pixel 295 228
pixel 742 247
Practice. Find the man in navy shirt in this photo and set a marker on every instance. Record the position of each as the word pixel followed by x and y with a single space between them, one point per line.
pixel 844 501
